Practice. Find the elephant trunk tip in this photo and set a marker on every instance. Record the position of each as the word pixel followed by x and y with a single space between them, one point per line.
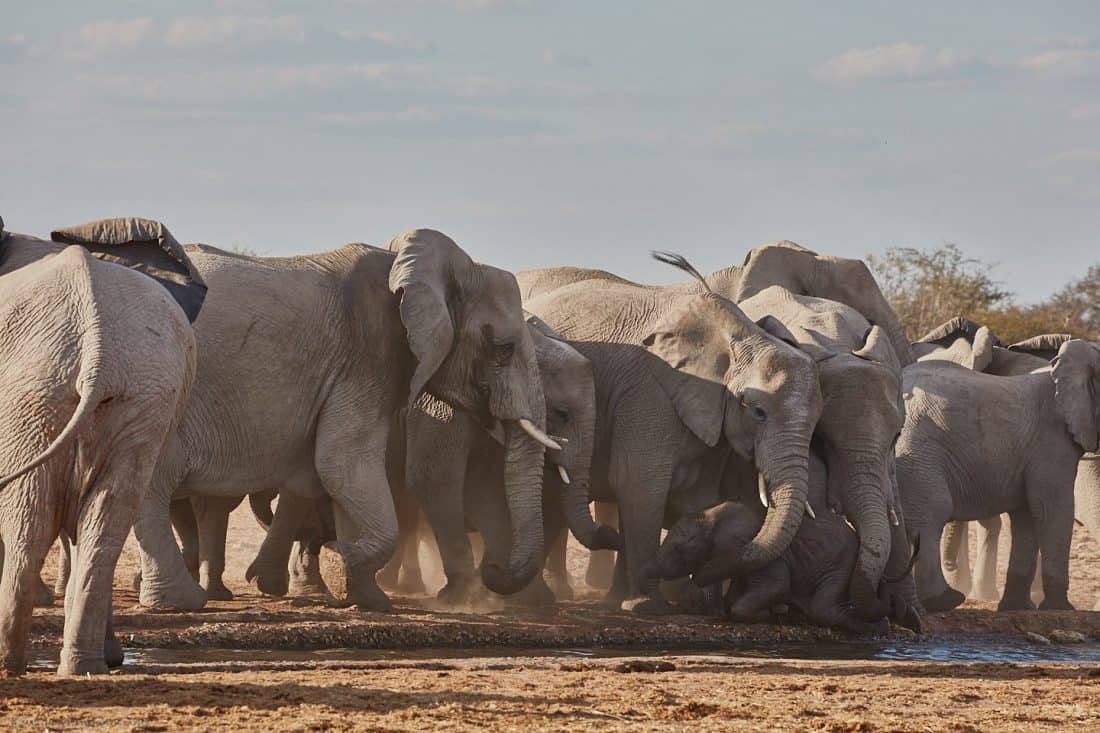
pixel 607 538
pixel 507 581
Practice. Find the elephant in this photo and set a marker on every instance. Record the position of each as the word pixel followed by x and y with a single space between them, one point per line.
pixel 862 414
pixel 442 462
pixel 304 362
pixel 98 358
pixel 681 379
pixel 966 454
pixel 783 263
pixel 974 346
pixel 813 574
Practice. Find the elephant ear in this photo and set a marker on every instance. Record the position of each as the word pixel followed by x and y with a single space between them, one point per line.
pixel 423 275
pixel 1075 372
pixel 696 364
pixel 878 348
pixel 1044 346
pixel 808 346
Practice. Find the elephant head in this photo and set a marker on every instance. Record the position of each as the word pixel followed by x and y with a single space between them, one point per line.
pixel 473 350
pixel 1076 374
pixel 570 390
pixel 695 539
pixel 862 415
pixel 805 272
pixel 728 377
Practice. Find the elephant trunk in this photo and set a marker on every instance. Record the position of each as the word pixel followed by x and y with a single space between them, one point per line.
pixel 575 499
pixel 786 489
pixel 523 464
pixel 864 498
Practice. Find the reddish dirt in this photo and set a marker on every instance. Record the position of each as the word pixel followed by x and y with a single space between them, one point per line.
pixel 541 692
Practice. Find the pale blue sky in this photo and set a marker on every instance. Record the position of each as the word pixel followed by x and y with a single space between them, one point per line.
pixel 565 132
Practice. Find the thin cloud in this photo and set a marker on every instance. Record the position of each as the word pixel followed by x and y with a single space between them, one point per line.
pixel 569 60
pixel 106 37
pixel 896 62
pixel 1064 63
pixel 1079 156
pixel 231 30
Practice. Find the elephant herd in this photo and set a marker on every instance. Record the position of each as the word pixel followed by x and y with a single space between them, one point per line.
pixel 773 417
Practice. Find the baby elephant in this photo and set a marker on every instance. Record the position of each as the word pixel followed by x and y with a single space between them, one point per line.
pixel 812 574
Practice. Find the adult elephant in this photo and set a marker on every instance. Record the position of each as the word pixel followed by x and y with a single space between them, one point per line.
pixel 98 360
pixel 444 463
pixel 303 362
pixel 862 414
pixel 974 346
pixel 783 263
pixel 681 379
pixel 948 470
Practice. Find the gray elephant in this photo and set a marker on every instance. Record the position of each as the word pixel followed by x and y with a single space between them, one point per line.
pixel 444 463
pixel 98 360
pixel 966 454
pixel 813 574
pixel 303 363
pixel 861 416
pixel 974 346
pixel 681 379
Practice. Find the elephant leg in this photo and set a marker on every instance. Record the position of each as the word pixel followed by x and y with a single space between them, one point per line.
pixel 165 580
pixel 269 568
pixel 305 572
pixel 935 594
pixel 620 583
pixel 112 647
pixel 601 563
pixel 351 463
pixel 186 526
pixel 1055 531
pixel 1021 563
pixel 27 536
pixel 63 565
pixel 410 579
pixel 641 523
pixel 1037 594
pixel 985 575
pixel 1086 498
pixel 212 517
pixel 557 569
pixel 763 589
pixel 107 512
pixel 956 556
pixel 43 594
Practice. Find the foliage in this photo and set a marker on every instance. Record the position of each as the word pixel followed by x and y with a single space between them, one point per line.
pixel 928 287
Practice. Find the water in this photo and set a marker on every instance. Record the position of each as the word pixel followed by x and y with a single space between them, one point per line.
pixel 972 649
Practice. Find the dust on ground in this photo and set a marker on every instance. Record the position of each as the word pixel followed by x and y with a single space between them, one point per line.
pixel 542 692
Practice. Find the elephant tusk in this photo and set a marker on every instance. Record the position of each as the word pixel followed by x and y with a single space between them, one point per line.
pixel 564 475
pixel 531 429
pixel 810 511
pixel 762 485
pixel 894 517
pixel 850 525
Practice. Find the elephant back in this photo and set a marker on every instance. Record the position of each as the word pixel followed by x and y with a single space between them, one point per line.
pixel 144 245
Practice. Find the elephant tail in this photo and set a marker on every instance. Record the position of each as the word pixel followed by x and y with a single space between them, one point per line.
pixel 89 401
pixel 260 503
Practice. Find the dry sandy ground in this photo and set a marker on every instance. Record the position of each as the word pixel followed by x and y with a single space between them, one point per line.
pixel 541 692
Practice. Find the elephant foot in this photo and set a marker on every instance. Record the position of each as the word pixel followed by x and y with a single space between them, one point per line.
pixel 700 601
pixel 1017 594
pixel 349 580
pixel 113 655
pixel 560 586
pixel 216 591
pixel 271 579
pixel 460 592
pixel 307 587
pixel 1056 604
pixel 43 595
pixel 946 601
pixel 536 594
pixel 75 664
pixel 907 616
pixel 13 664
pixel 647 606
pixel 183 595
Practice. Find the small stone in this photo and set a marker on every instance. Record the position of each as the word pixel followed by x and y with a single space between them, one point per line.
pixel 1063 636
pixel 1036 638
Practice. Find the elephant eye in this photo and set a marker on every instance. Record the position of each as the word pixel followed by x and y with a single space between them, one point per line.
pixel 562 413
pixel 502 353
pixel 759 413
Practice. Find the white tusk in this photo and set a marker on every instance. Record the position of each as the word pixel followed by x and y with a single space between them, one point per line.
pixel 894 517
pixel 530 428
pixel 762 485
pixel 564 475
pixel 559 439
pixel 850 525
pixel 810 511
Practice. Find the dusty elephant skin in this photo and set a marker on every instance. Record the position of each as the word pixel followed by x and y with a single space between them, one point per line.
pixel 303 361
pixel 98 360
pixel 948 471
pixel 681 379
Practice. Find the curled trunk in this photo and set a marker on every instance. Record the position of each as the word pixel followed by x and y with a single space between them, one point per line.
pixel 867 506
pixel 787 489
pixel 523 464
pixel 578 517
